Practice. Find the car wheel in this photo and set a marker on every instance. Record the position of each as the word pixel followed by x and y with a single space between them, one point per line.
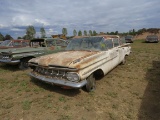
pixel 91 84
pixel 24 64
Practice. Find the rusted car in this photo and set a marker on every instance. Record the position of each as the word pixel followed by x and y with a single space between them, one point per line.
pixel 14 44
pixel 83 61
pixel 152 38
pixel 37 48
pixel 129 39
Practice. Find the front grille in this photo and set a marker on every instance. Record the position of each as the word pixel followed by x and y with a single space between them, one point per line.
pixel 5 57
pixel 50 72
pixel 152 39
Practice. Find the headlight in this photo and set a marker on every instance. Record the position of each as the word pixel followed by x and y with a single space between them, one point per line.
pixel 72 76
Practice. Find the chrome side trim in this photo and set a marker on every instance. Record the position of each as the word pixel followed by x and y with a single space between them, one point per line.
pixel 9 61
pixel 59 82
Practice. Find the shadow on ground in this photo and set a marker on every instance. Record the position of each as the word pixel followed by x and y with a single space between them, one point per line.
pixel 9 67
pixel 150 106
pixel 57 89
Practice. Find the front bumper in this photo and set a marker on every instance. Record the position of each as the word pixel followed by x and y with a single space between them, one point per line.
pixel 129 41
pixel 9 61
pixel 151 41
pixel 59 82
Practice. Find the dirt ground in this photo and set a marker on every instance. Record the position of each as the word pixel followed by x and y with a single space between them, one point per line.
pixel 130 91
pixel 145 34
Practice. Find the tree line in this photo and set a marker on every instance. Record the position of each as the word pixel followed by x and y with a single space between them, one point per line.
pixel 31 32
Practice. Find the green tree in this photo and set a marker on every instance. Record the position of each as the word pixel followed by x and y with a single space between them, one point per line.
pixel 112 33
pixel 64 31
pixel 1 37
pixel 43 32
pixel 30 33
pixel 116 33
pixel 85 33
pixel 8 37
pixel 74 32
pixel 79 33
pixel 19 38
pixel 90 32
pixel 134 32
pixel 94 33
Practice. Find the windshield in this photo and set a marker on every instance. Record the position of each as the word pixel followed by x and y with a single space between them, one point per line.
pixel 89 43
pixel 17 43
pixel 5 43
pixel 47 43
pixel 56 43
pixel 152 36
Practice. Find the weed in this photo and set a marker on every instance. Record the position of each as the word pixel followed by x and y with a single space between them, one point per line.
pixel 129 116
pixel 67 107
pixel 49 105
pixel 62 99
pixel 24 84
pixel 91 93
pixel 26 105
pixel 49 95
pixel 9 98
pixel 7 105
pixel 36 90
pixel 112 116
pixel 64 117
pixel 135 93
pixel 112 94
pixel 114 106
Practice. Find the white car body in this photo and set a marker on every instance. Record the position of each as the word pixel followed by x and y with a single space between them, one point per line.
pixel 73 67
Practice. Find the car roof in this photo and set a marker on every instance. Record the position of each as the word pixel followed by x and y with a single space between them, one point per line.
pixel 108 36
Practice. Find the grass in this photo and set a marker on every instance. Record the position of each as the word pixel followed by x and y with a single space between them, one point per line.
pixel 127 92
pixel 26 105
pixel 112 94
pixel 62 99
pixel 64 117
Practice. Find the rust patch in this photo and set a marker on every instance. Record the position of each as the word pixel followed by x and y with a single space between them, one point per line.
pixel 87 61
pixel 52 48
pixel 66 59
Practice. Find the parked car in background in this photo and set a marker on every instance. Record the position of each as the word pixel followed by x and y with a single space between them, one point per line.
pixel 152 38
pixel 1 42
pixel 37 48
pixel 84 60
pixel 129 39
pixel 14 44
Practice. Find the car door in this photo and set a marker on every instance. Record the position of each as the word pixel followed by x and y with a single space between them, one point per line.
pixel 117 51
pixel 111 55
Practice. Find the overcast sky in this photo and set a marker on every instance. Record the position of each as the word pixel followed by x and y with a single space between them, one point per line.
pixel 99 15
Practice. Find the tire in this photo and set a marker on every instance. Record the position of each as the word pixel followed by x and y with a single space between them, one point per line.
pixel 24 64
pixel 91 84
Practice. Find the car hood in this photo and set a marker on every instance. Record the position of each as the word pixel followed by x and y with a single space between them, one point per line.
pixel 71 59
pixel 4 47
pixel 21 50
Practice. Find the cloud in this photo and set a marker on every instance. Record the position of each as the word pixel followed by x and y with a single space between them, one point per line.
pixel 15 29
pixel 2 26
pixel 41 22
pixel 53 15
